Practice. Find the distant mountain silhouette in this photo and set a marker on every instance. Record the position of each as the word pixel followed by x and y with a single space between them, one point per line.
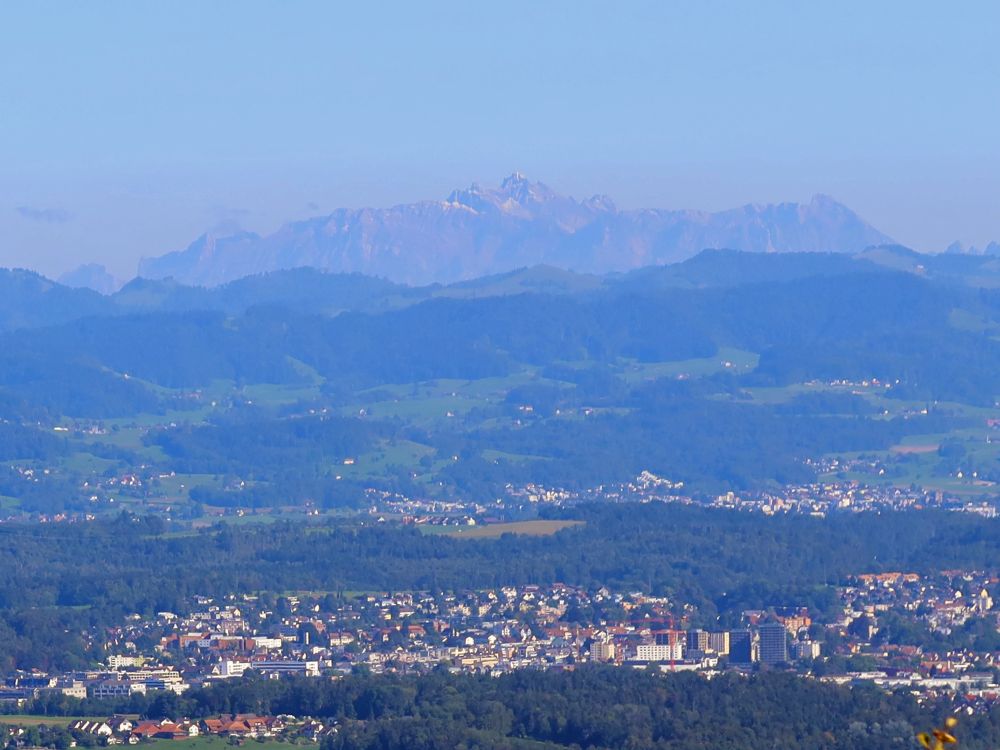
pixel 91 276
pixel 957 248
pixel 28 300
pixel 480 231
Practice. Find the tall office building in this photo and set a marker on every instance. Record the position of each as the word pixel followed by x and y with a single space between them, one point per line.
pixel 773 643
pixel 742 647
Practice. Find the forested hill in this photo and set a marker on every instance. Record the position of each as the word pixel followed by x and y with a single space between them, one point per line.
pixel 28 300
pixel 731 370
pixel 890 325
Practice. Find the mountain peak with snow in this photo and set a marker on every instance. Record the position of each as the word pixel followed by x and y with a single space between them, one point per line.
pixel 482 230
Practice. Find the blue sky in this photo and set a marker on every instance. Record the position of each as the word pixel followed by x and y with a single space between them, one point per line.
pixel 127 129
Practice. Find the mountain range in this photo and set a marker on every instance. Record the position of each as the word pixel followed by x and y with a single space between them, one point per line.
pixel 482 230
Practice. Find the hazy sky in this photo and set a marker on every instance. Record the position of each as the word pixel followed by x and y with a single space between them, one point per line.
pixel 127 129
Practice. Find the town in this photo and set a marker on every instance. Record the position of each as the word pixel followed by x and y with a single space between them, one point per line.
pixel 930 635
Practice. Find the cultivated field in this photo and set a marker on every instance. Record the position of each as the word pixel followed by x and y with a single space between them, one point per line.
pixel 32 720
pixel 495 530
pixel 218 743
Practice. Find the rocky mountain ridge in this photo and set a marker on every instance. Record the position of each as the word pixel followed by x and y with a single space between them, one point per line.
pixel 487 230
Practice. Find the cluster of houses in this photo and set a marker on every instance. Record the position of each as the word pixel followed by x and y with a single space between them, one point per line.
pixel 943 606
pixel 818 498
pixel 131 731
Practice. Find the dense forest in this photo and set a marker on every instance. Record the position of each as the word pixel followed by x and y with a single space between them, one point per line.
pixel 57 580
pixel 591 707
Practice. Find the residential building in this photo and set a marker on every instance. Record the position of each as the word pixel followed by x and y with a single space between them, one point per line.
pixel 659 652
pixel 115 689
pixel 807 650
pixel 743 647
pixel 602 651
pixel 697 640
pixel 773 643
pixel 719 642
